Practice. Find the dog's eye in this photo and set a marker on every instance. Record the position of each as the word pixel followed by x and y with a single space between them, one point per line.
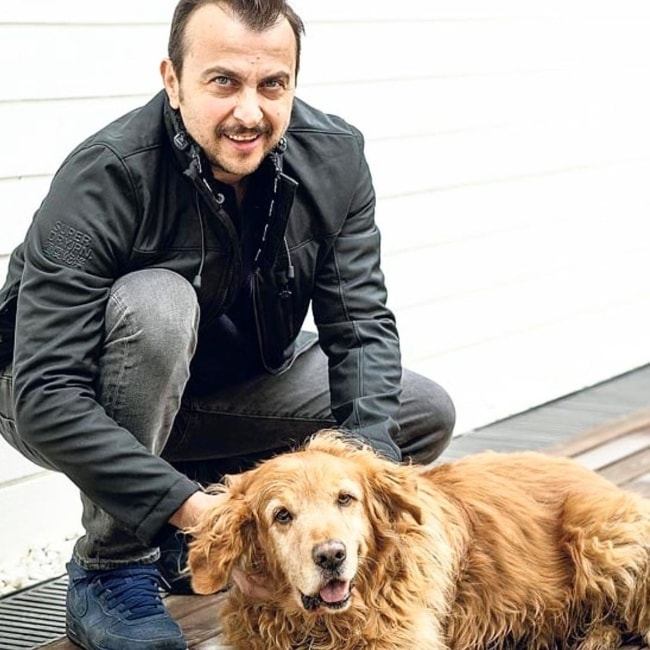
pixel 282 516
pixel 345 499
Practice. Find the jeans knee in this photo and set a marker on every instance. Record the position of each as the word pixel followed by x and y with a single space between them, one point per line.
pixel 155 308
pixel 427 419
pixel 443 416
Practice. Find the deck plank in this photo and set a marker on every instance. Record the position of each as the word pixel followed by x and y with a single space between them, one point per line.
pixel 640 485
pixel 628 469
pixel 197 616
pixel 637 422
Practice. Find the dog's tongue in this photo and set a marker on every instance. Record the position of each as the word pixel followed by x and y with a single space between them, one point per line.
pixel 335 591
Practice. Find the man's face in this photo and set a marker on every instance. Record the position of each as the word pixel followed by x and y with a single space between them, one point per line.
pixel 236 89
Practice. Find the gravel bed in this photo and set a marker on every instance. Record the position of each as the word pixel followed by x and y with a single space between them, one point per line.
pixel 36 565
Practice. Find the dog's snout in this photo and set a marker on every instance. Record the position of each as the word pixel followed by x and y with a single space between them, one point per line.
pixel 329 555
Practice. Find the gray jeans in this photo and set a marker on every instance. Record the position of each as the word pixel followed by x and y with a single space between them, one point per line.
pixel 145 385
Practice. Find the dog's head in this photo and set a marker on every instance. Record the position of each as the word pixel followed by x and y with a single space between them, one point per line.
pixel 311 522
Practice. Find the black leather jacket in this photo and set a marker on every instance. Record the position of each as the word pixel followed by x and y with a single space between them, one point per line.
pixel 126 199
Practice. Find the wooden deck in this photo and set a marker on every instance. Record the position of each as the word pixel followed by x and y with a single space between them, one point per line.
pixel 618 449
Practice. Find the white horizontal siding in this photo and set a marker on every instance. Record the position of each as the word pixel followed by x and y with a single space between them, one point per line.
pixel 79 60
pixel 81 12
pixel 510 149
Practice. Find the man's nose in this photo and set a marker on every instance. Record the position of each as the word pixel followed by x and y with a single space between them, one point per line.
pixel 248 111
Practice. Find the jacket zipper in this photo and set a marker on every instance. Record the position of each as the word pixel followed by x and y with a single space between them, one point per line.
pixel 282 202
pixel 233 275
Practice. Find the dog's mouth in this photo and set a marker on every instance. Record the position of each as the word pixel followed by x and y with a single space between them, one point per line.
pixel 336 594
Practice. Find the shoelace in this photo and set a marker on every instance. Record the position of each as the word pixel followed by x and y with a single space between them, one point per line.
pixel 133 592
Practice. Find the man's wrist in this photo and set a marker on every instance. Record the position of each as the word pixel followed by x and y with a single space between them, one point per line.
pixel 190 511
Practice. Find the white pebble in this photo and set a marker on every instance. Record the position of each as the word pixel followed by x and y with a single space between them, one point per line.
pixel 36 564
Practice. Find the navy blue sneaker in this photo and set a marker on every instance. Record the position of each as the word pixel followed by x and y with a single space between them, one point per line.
pixel 119 609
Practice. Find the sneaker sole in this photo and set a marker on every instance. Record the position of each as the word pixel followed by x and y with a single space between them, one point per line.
pixel 74 637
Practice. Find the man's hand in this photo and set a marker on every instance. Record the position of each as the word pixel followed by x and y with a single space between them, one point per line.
pixel 189 514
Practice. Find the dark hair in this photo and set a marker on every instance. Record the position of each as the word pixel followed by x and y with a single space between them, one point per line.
pixel 257 15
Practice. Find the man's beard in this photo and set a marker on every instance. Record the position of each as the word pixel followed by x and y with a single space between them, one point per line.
pixel 242 166
pixel 234 167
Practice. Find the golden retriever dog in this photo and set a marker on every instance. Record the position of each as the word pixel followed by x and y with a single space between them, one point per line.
pixel 494 551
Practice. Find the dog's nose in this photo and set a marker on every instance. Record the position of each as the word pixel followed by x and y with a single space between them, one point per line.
pixel 329 555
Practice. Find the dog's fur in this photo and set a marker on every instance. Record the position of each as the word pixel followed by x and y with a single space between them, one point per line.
pixel 493 551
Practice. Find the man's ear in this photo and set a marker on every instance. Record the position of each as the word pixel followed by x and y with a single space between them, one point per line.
pixel 171 82
pixel 220 540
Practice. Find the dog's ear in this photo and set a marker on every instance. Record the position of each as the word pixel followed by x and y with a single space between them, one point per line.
pixel 220 540
pixel 394 492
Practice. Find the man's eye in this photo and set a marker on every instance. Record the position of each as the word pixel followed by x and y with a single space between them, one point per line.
pixel 221 81
pixel 273 84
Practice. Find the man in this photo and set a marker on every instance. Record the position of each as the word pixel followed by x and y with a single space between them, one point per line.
pixel 150 322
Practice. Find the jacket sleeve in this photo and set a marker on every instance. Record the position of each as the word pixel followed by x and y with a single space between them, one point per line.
pixel 356 329
pixel 79 239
